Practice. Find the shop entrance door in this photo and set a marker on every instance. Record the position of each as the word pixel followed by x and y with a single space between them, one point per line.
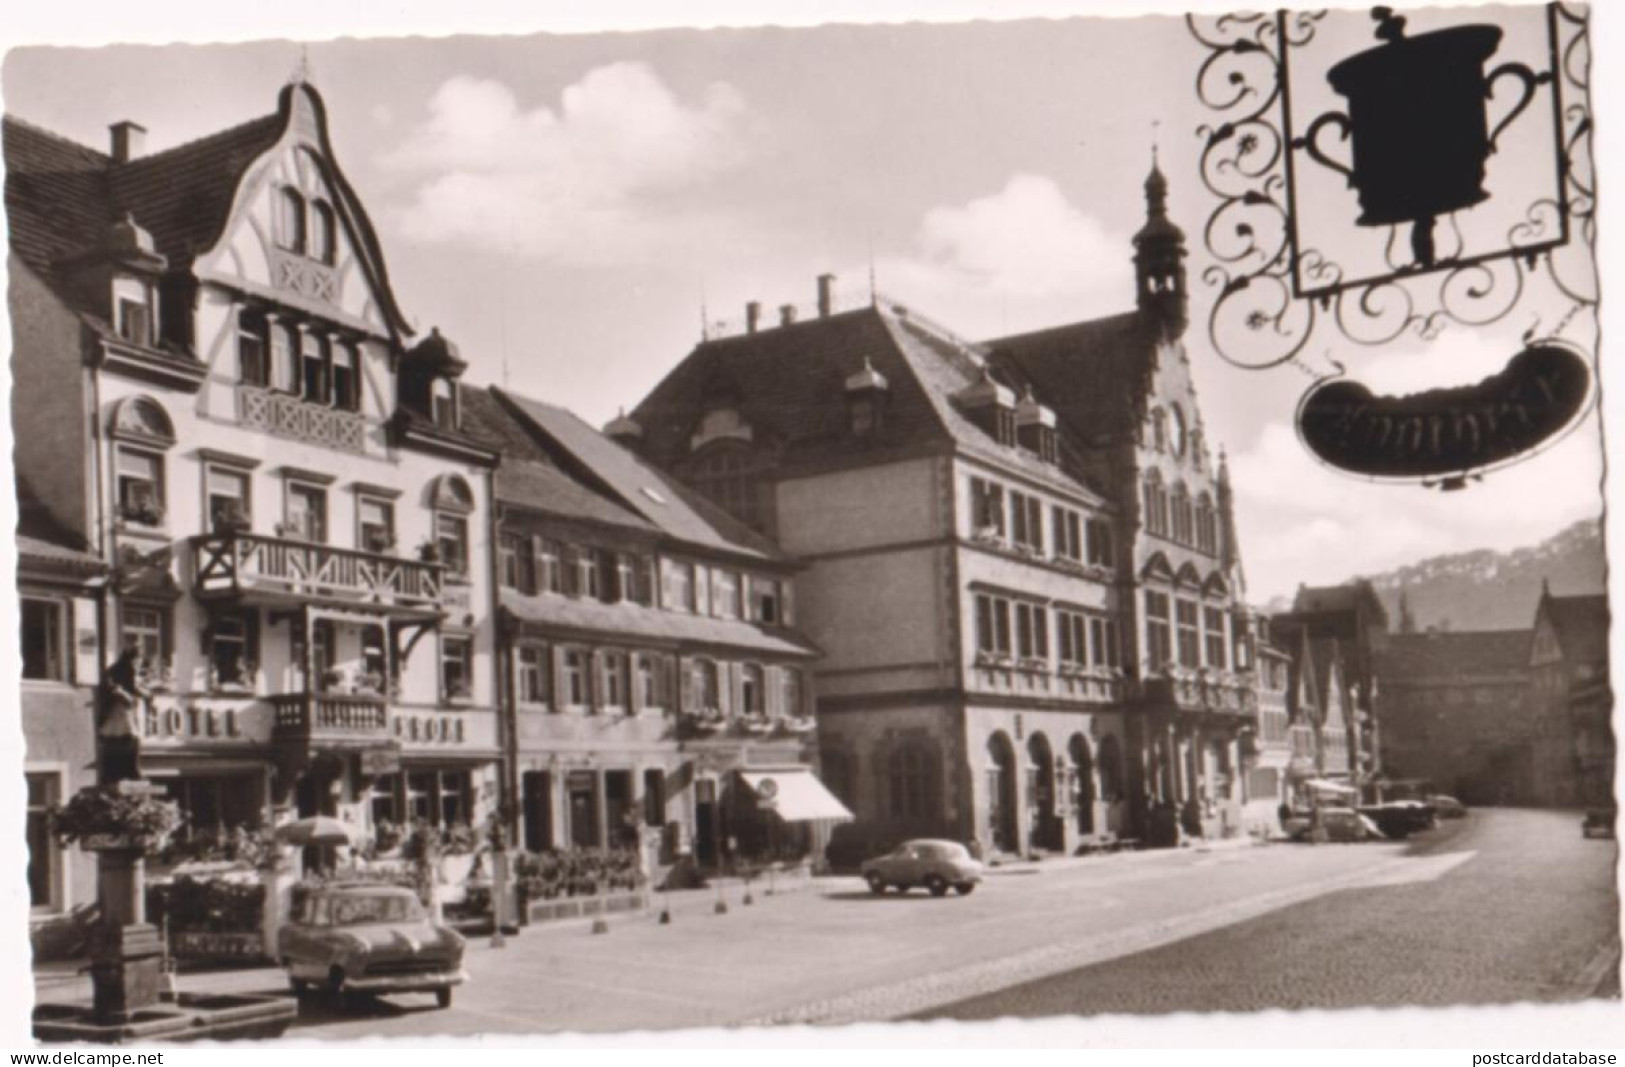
pixel 538 799
pixel 622 816
pixel 583 809
pixel 705 822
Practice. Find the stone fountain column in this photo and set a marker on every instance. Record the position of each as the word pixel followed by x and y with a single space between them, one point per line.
pixel 126 953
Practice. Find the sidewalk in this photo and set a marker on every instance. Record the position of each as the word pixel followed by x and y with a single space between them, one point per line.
pixel 1070 863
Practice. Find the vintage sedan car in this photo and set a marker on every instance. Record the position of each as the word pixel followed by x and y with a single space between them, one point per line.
pixel 1447 807
pixel 1598 822
pixel 934 865
pixel 370 940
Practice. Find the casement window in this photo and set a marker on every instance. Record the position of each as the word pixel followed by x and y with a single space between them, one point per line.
pixel 1155 505
pixel 987 508
pixel 140 485
pixel 590 566
pixel 1213 637
pixel 575 677
pixel 752 689
pixel 44 639
pixel 443 403
pixel 315 366
pixel 1100 543
pixel 1027 521
pixel 291 220
pixel 374 656
pixel 377 521
pixel 1181 509
pixel 230 504
pixel 322 227
pixel 992 625
pixel 148 627
pixel 307 513
pixel 1067 528
pixel 1190 651
pixel 1158 630
pixel 134 321
pixel 457 667
pixel 531 666
pixel 725 594
pixel 764 599
pixel 512 549
pixel 626 577
pixel 651 681
pixel 680 585
pixel 1207 538
pixel 614 688
pixel 1032 631
pixel 1103 641
pixel 703 680
pixel 793 694
pixel 230 645
pixel 253 353
pixel 451 534
pixel 552 568
pixel 44 853
pixel 346 378
pixel 323 650
pixel 1072 638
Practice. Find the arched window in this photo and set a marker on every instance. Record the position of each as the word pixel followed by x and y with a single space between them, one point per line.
pixel 322 239
pixel 1156 504
pixel 452 501
pixel 1206 528
pixel 1182 520
pixel 142 433
pixel 291 224
pixel 1159 429
pixel 912 775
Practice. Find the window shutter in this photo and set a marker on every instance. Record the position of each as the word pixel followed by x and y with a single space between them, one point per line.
pixel 702 590
pixel 773 691
pixel 747 600
pixel 666 596
pixel 595 680
pixel 561 690
pixel 634 680
pixel 734 681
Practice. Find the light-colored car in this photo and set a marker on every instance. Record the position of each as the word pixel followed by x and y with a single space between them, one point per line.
pixel 369 939
pixel 1447 807
pixel 937 866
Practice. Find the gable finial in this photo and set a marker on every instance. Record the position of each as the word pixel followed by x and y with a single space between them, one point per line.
pixel 1155 124
pixel 302 73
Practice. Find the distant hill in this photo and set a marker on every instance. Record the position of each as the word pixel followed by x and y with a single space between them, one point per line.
pixel 1489 590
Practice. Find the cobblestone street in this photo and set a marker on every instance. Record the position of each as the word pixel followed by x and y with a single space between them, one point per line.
pixel 1506 905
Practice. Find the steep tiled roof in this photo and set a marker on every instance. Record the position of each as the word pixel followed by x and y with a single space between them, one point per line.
pixel 637 621
pixel 527 478
pixel 788 384
pixel 48 555
pixel 56 195
pixel 1452 655
pixel 1095 374
pixel 671 507
pixel 1582 626
pixel 1350 596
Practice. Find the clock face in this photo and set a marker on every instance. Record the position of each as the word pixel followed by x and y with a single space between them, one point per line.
pixel 1177 437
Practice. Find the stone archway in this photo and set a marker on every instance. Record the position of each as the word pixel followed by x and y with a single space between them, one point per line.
pixel 1083 763
pixel 1003 777
pixel 1045 829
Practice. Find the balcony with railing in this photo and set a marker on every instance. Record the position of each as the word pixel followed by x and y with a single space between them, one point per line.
pixel 287 415
pixel 245 565
pixel 330 719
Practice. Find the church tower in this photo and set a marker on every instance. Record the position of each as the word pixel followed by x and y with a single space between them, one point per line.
pixel 1159 267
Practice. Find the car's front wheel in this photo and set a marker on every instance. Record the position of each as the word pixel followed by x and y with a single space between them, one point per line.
pixel 964 888
pixel 936 885
pixel 442 997
pixel 877 884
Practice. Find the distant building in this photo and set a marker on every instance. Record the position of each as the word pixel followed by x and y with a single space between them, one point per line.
pixel 1457 713
pixel 1267 750
pixel 1572 700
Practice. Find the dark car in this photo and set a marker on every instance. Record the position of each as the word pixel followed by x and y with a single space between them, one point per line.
pixel 1599 822
pixel 369 939
pixel 1399 819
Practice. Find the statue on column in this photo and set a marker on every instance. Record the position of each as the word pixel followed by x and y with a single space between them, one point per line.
pixel 118 732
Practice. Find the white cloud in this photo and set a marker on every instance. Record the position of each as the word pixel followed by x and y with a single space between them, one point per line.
pixel 1302 522
pixel 598 179
pixel 1016 259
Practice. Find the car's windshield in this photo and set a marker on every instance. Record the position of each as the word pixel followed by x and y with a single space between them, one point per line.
pixel 356 909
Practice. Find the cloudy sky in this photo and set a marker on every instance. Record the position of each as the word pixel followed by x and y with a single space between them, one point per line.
pixel 565 206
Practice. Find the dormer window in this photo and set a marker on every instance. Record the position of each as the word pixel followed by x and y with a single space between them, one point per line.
pixel 134 321
pixel 443 403
pixel 866 393
pixel 291 221
pixel 990 406
pixel 322 229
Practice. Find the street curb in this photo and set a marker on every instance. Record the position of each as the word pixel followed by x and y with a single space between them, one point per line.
pixel 1143 855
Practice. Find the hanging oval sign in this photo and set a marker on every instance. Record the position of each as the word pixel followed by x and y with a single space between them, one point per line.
pixel 1454 431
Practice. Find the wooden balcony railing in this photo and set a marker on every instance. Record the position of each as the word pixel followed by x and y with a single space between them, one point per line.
pixel 332 717
pixel 237 563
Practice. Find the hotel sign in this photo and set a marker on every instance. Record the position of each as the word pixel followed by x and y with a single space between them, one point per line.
pixel 175 724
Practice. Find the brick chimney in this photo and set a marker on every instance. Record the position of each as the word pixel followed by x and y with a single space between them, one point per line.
pixel 787 314
pixel 826 300
pixel 753 316
pixel 128 140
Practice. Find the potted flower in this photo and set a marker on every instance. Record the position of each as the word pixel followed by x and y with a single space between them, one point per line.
pixel 144 512
pixel 380 541
pixel 109 818
pixel 230 517
pixel 429 552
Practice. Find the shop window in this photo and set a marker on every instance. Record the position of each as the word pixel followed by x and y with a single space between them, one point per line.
pixel 531 663
pixel 384 799
pixel 457 667
pixel 140 485
pixel 229 504
pixel 291 221
pixel 253 358
pixel 43 634
pixel 44 854
pixel 377 519
pixel 307 513
pixel 346 378
pixel 575 677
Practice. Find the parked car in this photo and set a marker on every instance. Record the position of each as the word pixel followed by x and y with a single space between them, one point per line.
pixel 1447 807
pixel 1342 824
pixel 1399 819
pixel 934 865
pixel 1599 822
pixel 369 939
